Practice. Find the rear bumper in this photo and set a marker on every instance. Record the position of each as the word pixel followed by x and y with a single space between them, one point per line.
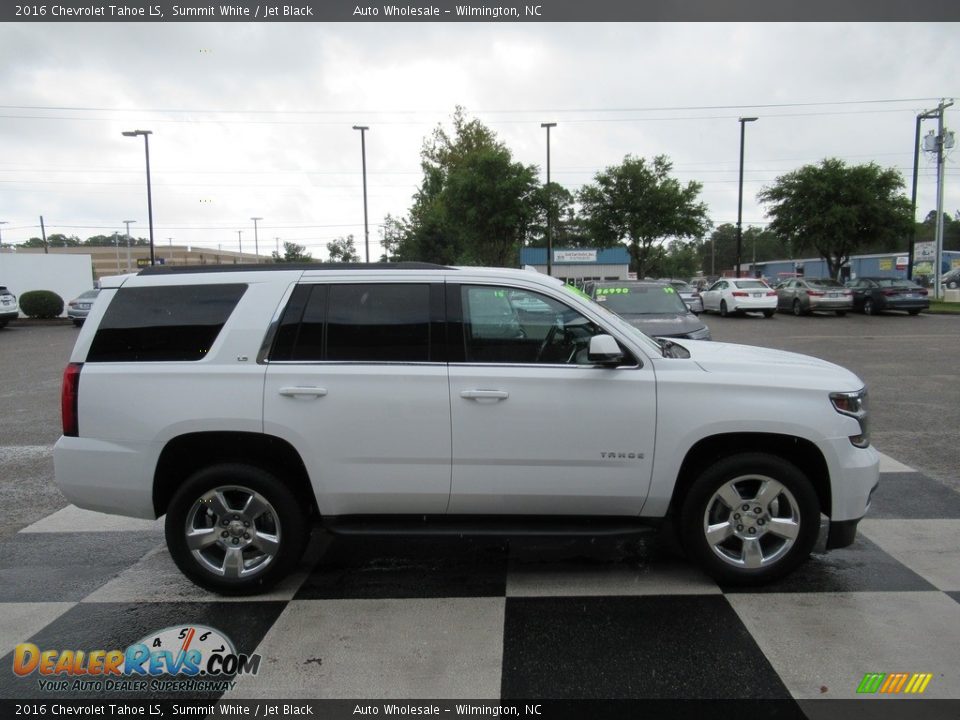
pixel 755 304
pixel 104 476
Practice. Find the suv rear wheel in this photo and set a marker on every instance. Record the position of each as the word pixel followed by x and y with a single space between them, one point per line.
pixel 235 529
pixel 750 519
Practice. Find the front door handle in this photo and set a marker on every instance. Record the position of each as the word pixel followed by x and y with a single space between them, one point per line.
pixel 303 391
pixel 484 394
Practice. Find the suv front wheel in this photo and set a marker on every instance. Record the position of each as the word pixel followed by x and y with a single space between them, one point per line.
pixel 235 529
pixel 750 519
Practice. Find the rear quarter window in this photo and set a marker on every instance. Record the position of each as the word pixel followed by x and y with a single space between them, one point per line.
pixel 169 323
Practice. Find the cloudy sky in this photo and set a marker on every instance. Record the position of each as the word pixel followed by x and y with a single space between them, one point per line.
pixel 255 119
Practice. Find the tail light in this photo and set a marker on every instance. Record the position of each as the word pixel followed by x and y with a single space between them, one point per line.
pixel 848 293
pixel 69 395
pixel 740 293
pixel 888 293
pixel 923 291
pixel 771 293
pixel 815 293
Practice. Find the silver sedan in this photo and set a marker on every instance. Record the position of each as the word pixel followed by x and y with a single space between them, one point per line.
pixel 802 296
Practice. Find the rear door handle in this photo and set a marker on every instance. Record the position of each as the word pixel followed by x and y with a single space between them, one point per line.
pixel 303 391
pixel 484 394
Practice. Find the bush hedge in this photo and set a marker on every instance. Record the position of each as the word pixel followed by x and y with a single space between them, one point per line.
pixel 42 304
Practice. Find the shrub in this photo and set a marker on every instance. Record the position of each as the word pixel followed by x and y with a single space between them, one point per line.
pixel 41 304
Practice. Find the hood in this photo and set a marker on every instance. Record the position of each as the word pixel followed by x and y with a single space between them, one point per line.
pixel 669 324
pixel 718 357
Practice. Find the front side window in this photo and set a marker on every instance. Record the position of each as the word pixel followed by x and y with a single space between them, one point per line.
pixel 508 325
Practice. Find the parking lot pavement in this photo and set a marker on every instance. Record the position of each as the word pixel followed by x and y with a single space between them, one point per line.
pixel 498 618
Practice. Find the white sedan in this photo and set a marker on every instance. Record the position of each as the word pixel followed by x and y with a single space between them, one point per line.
pixel 737 295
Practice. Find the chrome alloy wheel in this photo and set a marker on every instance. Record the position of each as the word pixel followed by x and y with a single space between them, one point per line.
pixel 233 532
pixel 751 521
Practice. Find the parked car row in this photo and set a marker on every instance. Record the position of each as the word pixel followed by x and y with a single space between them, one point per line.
pixel 803 296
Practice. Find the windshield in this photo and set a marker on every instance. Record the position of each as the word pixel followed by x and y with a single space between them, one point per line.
pixel 751 284
pixel 641 299
pixel 825 282
pixel 618 322
pixel 892 282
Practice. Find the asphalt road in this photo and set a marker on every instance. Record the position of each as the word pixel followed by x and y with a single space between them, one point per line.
pixel 910 365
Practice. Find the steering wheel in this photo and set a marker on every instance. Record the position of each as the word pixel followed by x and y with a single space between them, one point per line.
pixel 551 334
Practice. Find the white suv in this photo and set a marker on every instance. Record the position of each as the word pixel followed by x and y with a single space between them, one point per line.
pixel 247 404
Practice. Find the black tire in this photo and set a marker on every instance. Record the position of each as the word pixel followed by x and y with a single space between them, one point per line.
pixel 77 322
pixel 752 553
pixel 797 310
pixel 841 313
pixel 914 312
pixel 768 313
pixel 723 309
pixel 869 308
pixel 255 548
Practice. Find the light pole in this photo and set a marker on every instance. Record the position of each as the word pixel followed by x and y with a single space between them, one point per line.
pixel 549 203
pixel 127 223
pixel 2 222
pixel 240 243
pixel 146 148
pixel 743 122
pixel 170 240
pixel 256 244
pixel 363 156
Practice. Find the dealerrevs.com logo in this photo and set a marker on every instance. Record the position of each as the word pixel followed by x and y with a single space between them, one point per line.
pixel 894 683
pixel 192 658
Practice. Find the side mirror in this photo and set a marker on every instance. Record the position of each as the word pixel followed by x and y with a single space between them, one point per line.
pixel 604 350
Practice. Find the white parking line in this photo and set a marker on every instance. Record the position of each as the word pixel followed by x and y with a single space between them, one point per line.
pixel 889 465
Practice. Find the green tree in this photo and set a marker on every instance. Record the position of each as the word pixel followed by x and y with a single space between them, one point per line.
pixel 639 203
pixel 343 250
pixel 53 240
pixel 681 259
pixel 474 205
pixel 292 253
pixel 392 233
pixel 558 202
pixel 837 210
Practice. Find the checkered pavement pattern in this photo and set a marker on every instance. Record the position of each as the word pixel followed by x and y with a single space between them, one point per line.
pixel 396 618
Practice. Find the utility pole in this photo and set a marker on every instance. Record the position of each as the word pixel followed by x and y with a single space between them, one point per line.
pixel 256 243
pixel 240 243
pixel 116 246
pixel 913 195
pixel 127 223
pixel 171 250
pixel 363 159
pixel 942 141
pixel 43 233
pixel 549 203
pixel 743 121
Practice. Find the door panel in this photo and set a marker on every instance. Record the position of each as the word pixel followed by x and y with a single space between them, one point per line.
pixel 564 440
pixel 537 428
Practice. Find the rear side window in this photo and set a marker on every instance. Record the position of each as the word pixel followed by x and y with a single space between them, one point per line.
pixel 368 322
pixel 173 322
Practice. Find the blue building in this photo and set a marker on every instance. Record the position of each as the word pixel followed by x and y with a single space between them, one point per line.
pixel 882 265
pixel 580 263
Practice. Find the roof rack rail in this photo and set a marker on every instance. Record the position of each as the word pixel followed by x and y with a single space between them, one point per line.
pixel 191 269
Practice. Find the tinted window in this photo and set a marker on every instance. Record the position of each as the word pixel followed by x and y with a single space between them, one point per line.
pixel 174 322
pixel 356 323
pixel 385 323
pixel 506 325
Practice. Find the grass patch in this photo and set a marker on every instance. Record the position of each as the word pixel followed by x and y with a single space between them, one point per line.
pixel 944 308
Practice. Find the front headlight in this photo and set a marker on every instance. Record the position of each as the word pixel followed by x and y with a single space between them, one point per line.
pixel 701 334
pixel 855 405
